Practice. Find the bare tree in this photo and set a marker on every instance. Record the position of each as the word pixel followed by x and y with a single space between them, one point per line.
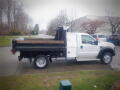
pixel 91 26
pixel 1 11
pixel 13 15
pixel 113 21
pixel 2 8
pixel 21 21
pixel 9 11
pixel 115 24
pixel 72 22
pixel 16 13
pixel 59 21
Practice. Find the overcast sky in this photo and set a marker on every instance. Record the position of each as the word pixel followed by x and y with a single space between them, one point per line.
pixel 42 11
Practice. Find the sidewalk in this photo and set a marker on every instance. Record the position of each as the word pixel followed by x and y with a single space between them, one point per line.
pixel 115 65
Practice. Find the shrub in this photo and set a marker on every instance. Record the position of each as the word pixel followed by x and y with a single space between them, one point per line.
pixel 15 32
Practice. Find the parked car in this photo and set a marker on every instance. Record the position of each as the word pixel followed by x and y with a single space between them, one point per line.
pixel 115 39
pixel 99 37
pixel 78 46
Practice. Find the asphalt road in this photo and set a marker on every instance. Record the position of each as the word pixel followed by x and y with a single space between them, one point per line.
pixel 9 64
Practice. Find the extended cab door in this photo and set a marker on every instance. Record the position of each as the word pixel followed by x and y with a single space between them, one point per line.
pixel 87 48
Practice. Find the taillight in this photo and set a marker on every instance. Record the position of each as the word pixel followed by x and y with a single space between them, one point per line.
pixel 13 51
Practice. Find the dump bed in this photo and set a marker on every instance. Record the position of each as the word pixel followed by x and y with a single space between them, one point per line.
pixel 37 45
pixel 56 44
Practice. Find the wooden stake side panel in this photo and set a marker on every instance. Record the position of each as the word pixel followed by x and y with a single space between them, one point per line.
pixel 39 42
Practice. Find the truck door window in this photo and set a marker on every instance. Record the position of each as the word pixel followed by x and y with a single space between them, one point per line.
pixel 87 39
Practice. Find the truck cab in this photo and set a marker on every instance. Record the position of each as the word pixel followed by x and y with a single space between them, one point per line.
pixel 84 47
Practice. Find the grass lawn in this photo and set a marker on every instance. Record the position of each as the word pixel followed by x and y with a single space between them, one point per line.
pixel 6 40
pixel 82 80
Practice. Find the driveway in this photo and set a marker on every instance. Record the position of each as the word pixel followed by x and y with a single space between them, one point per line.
pixel 9 64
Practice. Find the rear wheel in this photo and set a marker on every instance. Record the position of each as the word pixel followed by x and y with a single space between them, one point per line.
pixel 41 62
pixel 106 58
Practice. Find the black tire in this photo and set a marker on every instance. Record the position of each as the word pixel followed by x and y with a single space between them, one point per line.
pixel 106 58
pixel 41 62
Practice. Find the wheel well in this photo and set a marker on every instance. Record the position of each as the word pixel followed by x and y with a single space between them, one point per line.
pixel 104 51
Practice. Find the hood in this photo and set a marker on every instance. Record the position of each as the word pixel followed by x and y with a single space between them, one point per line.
pixel 106 44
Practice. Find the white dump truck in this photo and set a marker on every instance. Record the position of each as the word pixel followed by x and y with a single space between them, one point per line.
pixel 78 46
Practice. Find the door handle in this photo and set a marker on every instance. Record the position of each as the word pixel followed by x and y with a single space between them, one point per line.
pixel 81 46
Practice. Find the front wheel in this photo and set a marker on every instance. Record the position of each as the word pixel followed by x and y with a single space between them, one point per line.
pixel 106 58
pixel 41 62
